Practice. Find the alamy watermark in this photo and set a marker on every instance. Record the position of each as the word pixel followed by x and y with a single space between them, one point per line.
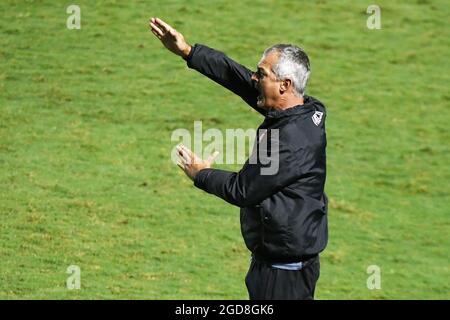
pixel 374 279
pixel 232 146
pixel 74 20
pixel 73 282
pixel 374 20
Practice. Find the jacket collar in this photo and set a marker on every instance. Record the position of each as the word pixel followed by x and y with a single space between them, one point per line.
pixel 296 110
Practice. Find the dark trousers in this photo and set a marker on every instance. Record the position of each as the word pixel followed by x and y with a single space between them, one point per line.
pixel 267 283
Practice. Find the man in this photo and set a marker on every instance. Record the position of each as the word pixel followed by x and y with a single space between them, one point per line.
pixel 283 213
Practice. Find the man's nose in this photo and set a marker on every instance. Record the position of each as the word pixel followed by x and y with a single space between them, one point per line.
pixel 254 77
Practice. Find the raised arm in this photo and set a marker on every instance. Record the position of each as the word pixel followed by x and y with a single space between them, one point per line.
pixel 209 62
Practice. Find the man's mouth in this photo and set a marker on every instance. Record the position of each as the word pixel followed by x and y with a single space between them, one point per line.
pixel 260 99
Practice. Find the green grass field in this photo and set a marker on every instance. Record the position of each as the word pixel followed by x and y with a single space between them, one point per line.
pixel 86 118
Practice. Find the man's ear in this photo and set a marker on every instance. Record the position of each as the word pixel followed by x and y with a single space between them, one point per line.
pixel 285 85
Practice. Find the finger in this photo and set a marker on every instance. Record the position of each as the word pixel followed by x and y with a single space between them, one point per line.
pixel 186 162
pixel 156 34
pixel 192 156
pixel 187 150
pixel 155 27
pixel 184 155
pixel 196 159
pixel 164 26
pixel 185 158
pixel 180 165
pixel 213 157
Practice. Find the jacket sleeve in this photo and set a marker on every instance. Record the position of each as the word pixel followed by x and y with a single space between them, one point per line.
pixel 249 186
pixel 224 71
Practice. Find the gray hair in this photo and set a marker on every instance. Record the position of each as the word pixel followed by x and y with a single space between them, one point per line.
pixel 293 63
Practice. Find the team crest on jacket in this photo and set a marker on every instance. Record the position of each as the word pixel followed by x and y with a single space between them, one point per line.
pixel 317 117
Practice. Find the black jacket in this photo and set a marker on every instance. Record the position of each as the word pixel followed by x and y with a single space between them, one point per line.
pixel 283 215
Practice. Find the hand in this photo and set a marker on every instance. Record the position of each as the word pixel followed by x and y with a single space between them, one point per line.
pixel 190 163
pixel 170 38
